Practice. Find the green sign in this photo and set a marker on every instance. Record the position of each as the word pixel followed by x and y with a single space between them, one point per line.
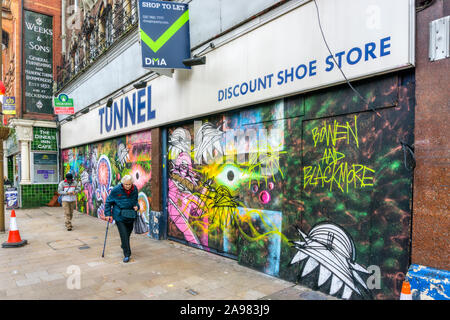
pixel 63 104
pixel 44 139
pixel 38 51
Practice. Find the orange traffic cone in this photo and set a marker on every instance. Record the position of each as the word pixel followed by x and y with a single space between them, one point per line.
pixel 14 239
pixel 406 291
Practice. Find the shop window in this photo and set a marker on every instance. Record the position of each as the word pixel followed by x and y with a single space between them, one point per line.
pixel 45 168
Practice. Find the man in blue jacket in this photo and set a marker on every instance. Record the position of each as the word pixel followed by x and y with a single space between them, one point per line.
pixel 123 197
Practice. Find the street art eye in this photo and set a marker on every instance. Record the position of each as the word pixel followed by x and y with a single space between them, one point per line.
pixel 255 188
pixel 230 176
pixel 140 176
pixel 104 171
pixel 271 185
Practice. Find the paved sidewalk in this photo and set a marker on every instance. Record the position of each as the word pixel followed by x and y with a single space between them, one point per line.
pixel 49 265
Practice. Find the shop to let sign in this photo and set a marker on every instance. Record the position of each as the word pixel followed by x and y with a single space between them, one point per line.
pixel 164 32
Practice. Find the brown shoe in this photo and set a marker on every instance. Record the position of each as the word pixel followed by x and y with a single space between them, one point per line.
pixel 69 229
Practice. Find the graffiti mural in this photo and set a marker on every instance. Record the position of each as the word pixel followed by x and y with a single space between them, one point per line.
pixel 222 186
pixel 330 248
pixel 311 188
pixel 99 167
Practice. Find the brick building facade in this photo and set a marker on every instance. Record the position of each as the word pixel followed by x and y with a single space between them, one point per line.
pixel 33 31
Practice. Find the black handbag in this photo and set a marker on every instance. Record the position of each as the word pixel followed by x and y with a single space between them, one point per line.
pixel 140 226
pixel 128 213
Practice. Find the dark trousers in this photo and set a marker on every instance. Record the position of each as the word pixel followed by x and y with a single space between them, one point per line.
pixel 125 230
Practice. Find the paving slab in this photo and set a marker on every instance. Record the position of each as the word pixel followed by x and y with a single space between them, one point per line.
pixel 60 265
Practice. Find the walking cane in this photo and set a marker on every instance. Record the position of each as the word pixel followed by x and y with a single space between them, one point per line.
pixel 106 234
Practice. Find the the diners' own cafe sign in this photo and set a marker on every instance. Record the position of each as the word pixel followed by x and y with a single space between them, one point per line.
pixel 44 139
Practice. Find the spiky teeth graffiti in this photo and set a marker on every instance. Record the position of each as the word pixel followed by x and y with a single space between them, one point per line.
pixel 330 248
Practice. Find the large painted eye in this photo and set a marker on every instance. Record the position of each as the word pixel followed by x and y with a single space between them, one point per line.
pixel 104 171
pixel 230 176
pixel 140 176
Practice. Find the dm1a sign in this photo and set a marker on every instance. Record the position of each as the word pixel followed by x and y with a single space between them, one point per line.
pixel 164 33
pixel 63 104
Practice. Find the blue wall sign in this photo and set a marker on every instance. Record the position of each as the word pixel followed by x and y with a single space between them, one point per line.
pixel 164 33
pixel 129 110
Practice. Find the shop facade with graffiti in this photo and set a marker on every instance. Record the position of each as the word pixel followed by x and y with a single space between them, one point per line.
pixel 265 154
pixel 99 167
pixel 313 188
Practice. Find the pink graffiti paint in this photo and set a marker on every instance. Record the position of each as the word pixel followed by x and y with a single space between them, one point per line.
pixel 140 177
pixel 264 197
pixel 182 203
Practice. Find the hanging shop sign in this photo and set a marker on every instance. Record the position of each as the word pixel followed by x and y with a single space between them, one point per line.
pixel 9 105
pixel 45 167
pixel 164 33
pixel 44 139
pixel 38 69
pixel 63 104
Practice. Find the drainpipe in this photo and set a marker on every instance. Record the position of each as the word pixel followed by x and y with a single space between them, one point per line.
pixel 63 28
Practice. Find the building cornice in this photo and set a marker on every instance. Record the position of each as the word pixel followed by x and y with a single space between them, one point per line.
pixel 32 123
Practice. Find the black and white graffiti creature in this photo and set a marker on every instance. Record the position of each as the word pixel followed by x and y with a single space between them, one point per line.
pixel 328 246
pixel 179 141
pixel 122 154
pixel 207 140
pixel 93 156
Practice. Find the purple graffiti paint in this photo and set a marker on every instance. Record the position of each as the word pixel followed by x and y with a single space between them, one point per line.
pixel 264 197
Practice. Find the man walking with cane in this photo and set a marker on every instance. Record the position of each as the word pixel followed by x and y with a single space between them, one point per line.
pixel 68 189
